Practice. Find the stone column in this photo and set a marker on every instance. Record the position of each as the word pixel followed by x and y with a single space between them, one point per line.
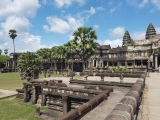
pixel 102 64
pixel 156 61
pixel 125 64
pixel 65 104
pixel 25 91
pixel 93 64
pixel 134 63
pixel 107 63
pixel 118 64
pixel 112 64
pixel 43 99
pixel 96 63
pixel 55 65
pixel 33 94
pixel 141 63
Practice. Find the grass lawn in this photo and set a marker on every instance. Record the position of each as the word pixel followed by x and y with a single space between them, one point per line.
pixel 15 109
pixel 12 81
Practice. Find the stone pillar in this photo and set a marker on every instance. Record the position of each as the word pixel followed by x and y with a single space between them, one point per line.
pixel 55 65
pixel 156 61
pixel 65 104
pixel 25 91
pixel 118 64
pixel 107 63
pixel 96 63
pixel 33 94
pixel 112 64
pixel 134 63
pixel 93 64
pixel 125 64
pixel 102 64
pixel 43 99
pixel 141 63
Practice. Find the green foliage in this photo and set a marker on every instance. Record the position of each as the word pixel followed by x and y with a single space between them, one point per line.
pixel 12 34
pixel 3 60
pixel 118 69
pixel 0 51
pixel 28 61
pixel 6 51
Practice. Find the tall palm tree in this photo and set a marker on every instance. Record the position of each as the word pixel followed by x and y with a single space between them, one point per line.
pixel 60 53
pixel 13 35
pixel 87 45
pixel 44 56
pixel 0 51
pixel 71 49
pixel 6 52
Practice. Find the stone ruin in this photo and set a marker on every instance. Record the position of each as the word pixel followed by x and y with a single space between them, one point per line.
pixel 70 103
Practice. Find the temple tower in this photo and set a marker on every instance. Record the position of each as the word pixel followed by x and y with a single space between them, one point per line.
pixel 127 40
pixel 150 31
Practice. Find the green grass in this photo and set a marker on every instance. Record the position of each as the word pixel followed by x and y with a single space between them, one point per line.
pixel 12 81
pixel 15 109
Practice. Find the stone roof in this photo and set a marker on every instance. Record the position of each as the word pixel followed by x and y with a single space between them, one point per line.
pixel 118 49
pixel 105 47
pixel 127 40
pixel 150 31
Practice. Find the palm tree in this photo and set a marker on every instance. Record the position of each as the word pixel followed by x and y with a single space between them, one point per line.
pixel 60 53
pixel 87 45
pixel 0 51
pixel 71 49
pixel 6 52
pixel 27 63
pixel 13 35
pixel 44 56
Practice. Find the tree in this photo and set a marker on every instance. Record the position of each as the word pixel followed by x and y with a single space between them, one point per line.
pixel 28 65
pixel 13 35
pixel 0 51
pixel 44 56
pixel 71 47
pixel 6 52
pixel 60 53
pixel 87 45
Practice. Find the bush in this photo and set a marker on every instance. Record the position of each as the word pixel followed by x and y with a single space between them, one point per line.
pixel 118 69
pixel 3 59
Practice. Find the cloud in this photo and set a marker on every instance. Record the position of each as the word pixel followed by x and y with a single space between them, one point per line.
pixel 132 2
pixel 138 35
pixel 21 8
pixel 112 10
pixel 117 32
pixel 61 3
pixel 44 2
pixel 20 24
pixel 74 24
pixel 71 37
pixel 112 43
pixel 119 5
pixel 63 11
pixel 157 30
pixel 156 3
pixel 96 26
pixel 110 3
pixel 143 3
pixel 57 25
pixel 91 11
pixel 100 8
pixel 152 11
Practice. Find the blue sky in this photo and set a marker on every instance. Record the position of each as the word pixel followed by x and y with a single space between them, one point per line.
pixel 46 23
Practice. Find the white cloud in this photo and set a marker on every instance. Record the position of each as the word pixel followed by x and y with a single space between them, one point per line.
pixel 62 11
pixel 119 5
pixel 138 35
pixel 44 2
pixel 110 3
pixel 57 25
pixel 100 8
pixel 71 37
pixel 112 10
pixel 91 11
pixel 143 3
pixel 26 8
pixel 157 30
pixel 132 2
pixel 117 32
pixel 74 24
pixel 156 3
pixel 152 11
pixel 61 3
pixel 113 43
pixel 96 26
pixel 20 24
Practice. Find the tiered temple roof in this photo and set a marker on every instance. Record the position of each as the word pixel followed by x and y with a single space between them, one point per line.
pixel 150 31
pixel 127 40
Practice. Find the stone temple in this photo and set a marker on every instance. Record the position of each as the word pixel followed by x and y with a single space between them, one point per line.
pixel 134 54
